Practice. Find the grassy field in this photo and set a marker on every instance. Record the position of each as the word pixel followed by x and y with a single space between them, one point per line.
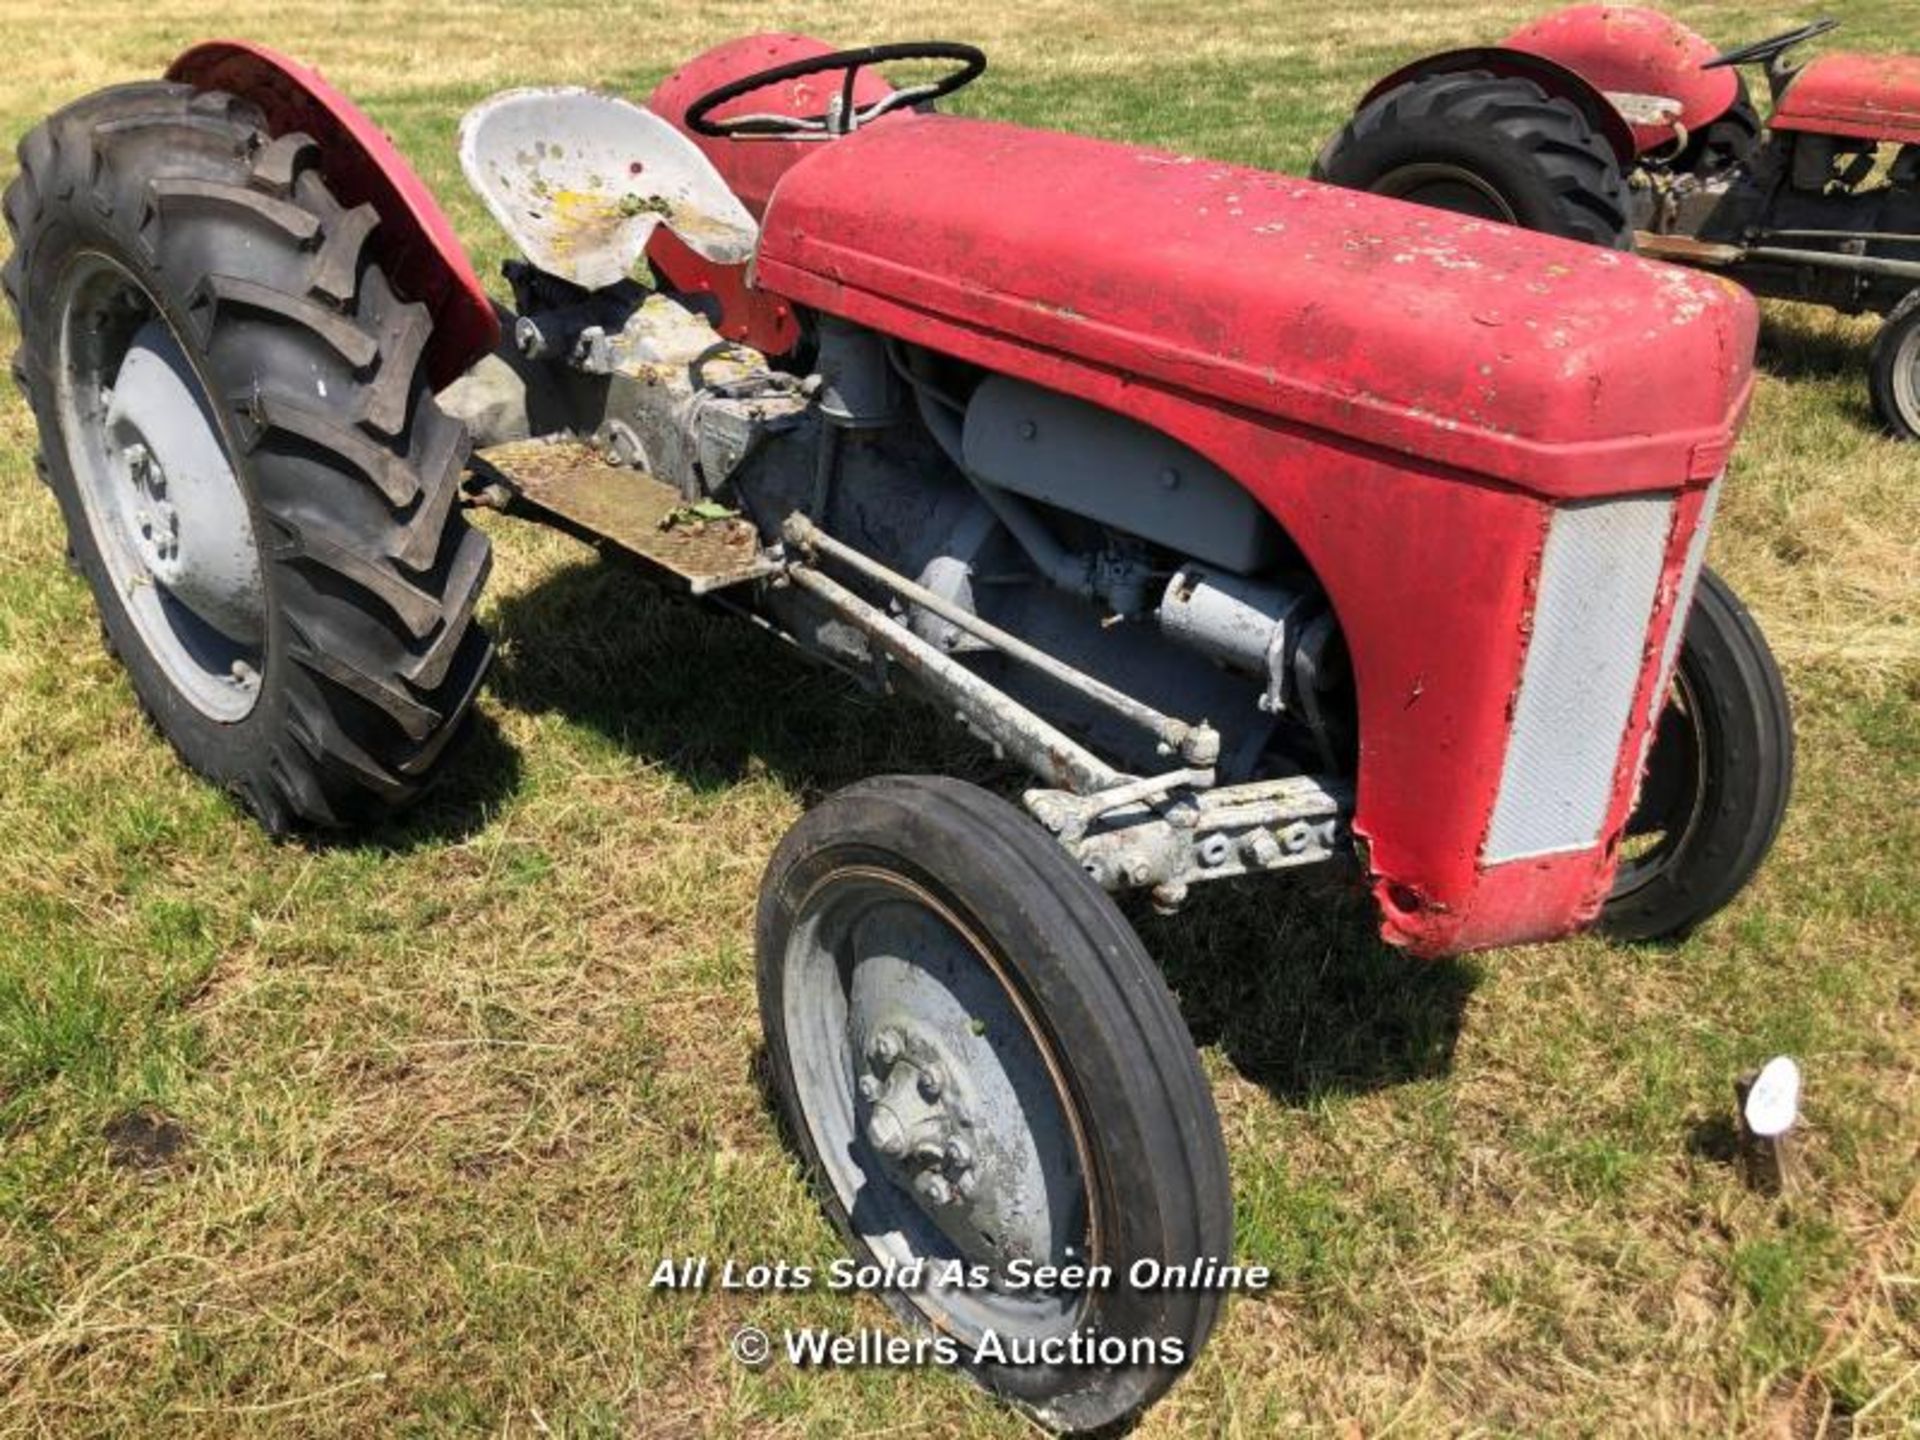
pixel 385 1137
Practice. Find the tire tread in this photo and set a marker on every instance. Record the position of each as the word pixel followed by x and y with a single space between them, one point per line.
pixel 1129 1051
pixel 1544 136
pixel 179 175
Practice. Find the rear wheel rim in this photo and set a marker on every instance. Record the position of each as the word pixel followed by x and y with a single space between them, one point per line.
pixel 1453 188
pixel 941 1119
pixel 163 506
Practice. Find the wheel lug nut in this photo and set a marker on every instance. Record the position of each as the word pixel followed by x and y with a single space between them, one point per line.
pixel 885 1134
pixel 934 1189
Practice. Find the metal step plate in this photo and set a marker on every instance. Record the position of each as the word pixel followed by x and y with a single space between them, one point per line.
pixel 1685 250
pixel 591 496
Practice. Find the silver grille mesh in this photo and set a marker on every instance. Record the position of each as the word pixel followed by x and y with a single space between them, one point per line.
pixel 1598 580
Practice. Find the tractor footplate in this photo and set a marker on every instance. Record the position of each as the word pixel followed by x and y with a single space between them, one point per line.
pixel 1685 250
pixel 588 495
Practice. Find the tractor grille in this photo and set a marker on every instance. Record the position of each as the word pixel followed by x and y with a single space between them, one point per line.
pixel 1598 580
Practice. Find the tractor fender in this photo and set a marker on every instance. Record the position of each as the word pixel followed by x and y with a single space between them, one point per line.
pixel 1653 68
pixel 1550 75
pixel 417 245
pixel 751 169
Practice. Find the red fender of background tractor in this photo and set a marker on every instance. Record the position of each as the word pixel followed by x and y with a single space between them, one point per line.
pixel 1549 75
pixel 417 246
pixel 1414 396
pixel 1633 50
pixel 750 167
pixel 1865 97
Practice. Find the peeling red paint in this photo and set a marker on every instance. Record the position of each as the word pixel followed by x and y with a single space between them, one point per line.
pixel 1070 244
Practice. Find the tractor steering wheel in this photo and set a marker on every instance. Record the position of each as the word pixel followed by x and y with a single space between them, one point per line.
pixel 1769 50
pixel 842 116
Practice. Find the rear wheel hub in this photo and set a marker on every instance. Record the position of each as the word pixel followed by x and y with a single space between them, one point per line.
pixel 180 506
pixel 162 501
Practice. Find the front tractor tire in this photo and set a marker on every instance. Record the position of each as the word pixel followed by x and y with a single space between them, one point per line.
pixel 1490 147
pixel 1718 777
pixel 980 1064
pixel 236 421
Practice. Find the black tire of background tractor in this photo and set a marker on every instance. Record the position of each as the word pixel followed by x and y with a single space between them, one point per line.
pixel 1160 1162
pixel 370 570
pixel 1744 775
pixel 1724 143
pixel 1893 370
pixel 1536 152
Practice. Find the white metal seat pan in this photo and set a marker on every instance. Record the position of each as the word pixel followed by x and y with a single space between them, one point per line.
pixel 579 181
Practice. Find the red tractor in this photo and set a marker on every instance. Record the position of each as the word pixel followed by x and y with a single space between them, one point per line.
pixel 1267 525
pixel 1619 126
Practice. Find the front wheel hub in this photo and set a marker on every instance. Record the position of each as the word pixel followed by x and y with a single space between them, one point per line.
pixel 961 1143
pixel 918 1122
pixel 947 1133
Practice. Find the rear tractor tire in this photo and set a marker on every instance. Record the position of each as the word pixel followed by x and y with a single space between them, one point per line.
pixel 255 479
pixel 980 1064
pixel 1491 147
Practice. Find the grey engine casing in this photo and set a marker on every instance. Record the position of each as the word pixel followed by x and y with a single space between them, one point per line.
pixel 1116 472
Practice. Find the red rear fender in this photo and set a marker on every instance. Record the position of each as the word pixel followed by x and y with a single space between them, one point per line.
pixel 417 246
pixel 1632 50
pixel 751 168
